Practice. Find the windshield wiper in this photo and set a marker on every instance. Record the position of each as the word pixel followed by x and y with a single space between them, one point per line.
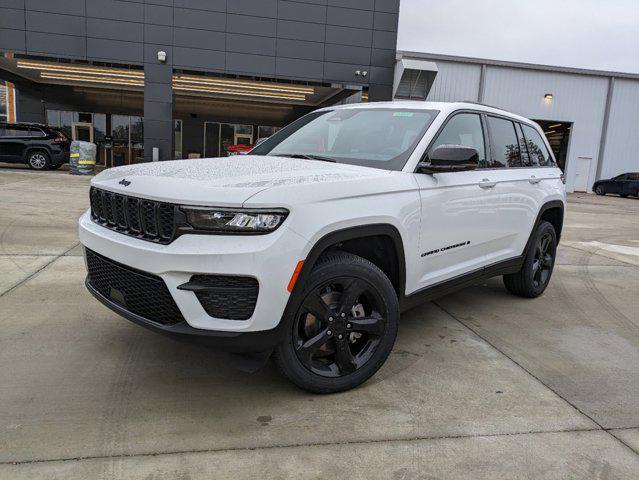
pixel 306 156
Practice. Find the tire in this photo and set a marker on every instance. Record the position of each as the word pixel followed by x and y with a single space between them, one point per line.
pixel 600 190
pixel 38 160
pixel 55 167
pixel 534 276
pixel 623 195
pixel 352 330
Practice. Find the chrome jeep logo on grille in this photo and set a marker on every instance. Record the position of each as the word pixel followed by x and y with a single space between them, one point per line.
pixel 124 182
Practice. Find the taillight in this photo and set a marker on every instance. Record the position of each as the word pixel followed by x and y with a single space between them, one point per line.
pixel 59 139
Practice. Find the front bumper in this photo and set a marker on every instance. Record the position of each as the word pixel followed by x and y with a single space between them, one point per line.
pixel 271 259
pixel 246 342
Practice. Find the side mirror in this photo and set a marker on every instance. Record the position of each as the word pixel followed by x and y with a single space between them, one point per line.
pixel 450 158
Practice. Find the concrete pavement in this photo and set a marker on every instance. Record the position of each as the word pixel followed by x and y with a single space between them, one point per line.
pixel 480 384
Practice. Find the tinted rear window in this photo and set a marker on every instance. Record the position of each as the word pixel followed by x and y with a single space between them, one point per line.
pixel 505 146
pixel 539 154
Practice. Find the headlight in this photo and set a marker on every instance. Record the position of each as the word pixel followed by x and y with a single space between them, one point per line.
pixel 234 220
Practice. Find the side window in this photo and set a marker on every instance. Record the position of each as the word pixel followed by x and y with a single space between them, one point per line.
pixel 463 129
pixel 537 148
pixel 36 132
pixel 523 148
pixel 16 131
pixel 505 144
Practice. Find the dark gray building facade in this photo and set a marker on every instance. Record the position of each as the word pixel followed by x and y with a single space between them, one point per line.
pixel 323 50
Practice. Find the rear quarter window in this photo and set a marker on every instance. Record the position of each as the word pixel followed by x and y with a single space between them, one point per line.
pixel 539 154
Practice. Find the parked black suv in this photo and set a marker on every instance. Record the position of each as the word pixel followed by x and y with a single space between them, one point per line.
pixel 39 146
pixel 624 185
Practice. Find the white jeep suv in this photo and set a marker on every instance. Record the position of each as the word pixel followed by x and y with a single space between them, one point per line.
pixel 309 247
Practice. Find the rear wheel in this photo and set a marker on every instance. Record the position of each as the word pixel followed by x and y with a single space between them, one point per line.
pixel 344 327
pixel 55 167
pixel 600 190
pixel 38 160
pixel 533 278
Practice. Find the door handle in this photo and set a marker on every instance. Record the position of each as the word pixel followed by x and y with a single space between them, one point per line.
pixel 486 183
pixel 534 179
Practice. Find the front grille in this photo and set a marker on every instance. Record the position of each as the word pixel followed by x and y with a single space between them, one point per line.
pixel 146 219
pixel 139 292
pixel 222 296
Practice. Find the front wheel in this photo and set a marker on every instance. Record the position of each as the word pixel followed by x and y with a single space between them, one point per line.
pixel 600 190
pixel 344 327
pixel 533 278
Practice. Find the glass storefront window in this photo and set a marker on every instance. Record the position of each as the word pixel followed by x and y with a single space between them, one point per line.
pixel 137 139
pixel 263 131
pixel 120 134
pixel 235 134
pixel 177 139
pixel 211 139
pixel 67 119
pixel 53 118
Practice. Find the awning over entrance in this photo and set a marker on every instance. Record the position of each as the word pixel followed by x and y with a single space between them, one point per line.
pixel 413 78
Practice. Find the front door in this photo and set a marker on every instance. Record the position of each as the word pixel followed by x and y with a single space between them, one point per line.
pixel 83 132
pixel 459 219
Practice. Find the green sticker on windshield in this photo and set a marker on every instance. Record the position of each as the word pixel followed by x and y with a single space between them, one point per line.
pixel 402 114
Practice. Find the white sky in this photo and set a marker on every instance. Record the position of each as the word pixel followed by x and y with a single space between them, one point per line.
pixel 594 34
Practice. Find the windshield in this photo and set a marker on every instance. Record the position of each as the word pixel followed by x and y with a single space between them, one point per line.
pixel 372 137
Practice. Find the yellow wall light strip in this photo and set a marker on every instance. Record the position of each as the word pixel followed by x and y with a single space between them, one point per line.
pixel 243 84
pixel 243 93
pixel 53 67
pixel 93 79
pixel 235 85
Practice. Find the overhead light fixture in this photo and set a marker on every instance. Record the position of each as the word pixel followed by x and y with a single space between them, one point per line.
pixel 548 97
pixel 555 126
pixel 237 92
pixel 229 82
pixel 64 68
pixel 93 79
pixel 549 132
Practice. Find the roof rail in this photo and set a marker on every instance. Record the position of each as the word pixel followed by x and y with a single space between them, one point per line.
pixel 480 103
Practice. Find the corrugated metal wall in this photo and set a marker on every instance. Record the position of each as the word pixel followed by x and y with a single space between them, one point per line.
pixel 622 142
pixel 455 81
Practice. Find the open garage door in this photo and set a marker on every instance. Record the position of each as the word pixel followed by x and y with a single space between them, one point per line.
pixel 558 135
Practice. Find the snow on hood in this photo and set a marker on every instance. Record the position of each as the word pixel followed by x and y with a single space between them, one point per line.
pixel 226 180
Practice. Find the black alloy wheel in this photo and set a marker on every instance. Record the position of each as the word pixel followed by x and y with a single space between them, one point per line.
pixel 343 328
pixel 600 190
pixel 539 261
pixel 543 262
pixel 339 326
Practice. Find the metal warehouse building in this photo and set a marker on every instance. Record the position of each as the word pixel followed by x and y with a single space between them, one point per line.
pixel 193 78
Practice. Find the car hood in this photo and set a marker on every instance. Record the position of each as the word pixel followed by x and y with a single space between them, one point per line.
pixel 226 181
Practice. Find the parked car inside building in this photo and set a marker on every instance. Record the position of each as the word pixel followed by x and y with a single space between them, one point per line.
pixel 39 146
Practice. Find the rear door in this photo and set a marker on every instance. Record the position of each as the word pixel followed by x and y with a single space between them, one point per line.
pixel 13 142
pixel 459 221
pixel 515 197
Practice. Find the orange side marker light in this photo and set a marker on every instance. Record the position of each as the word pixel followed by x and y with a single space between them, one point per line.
pixel 296 273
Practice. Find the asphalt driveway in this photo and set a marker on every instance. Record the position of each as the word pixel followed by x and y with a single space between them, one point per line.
pixel 480 385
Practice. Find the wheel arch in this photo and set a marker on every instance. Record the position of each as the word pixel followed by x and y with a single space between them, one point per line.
pixel 553 212
pixel 35 148
pixel 365 241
